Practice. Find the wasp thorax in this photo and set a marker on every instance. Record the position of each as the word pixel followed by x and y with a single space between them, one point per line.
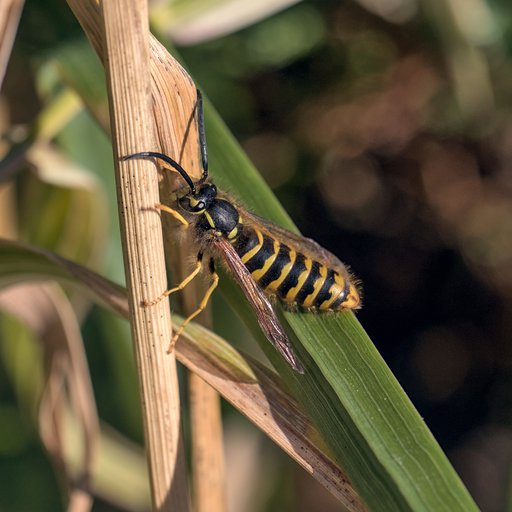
pixel 200 200
pixel 222 217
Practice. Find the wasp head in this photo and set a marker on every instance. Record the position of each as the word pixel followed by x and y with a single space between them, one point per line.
pixel 199 200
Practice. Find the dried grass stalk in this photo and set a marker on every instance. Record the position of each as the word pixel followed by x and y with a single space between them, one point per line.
pixel 127 64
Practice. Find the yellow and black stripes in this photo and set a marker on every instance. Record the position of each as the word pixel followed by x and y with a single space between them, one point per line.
pixel 283 271
pixel 279 269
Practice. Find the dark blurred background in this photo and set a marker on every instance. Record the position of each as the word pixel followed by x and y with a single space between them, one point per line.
pixel 384 127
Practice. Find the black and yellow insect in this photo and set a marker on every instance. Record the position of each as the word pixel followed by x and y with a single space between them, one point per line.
pixel 266 260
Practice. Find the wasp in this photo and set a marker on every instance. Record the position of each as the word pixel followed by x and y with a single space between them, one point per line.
pixel 266 260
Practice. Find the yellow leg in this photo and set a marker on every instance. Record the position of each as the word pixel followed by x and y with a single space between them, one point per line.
pixel 177 215
pixel 199 266
pixel 202 306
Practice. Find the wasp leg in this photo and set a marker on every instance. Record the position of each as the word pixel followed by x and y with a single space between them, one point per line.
pixel 202 305
pixel 197 269
pixel 177 215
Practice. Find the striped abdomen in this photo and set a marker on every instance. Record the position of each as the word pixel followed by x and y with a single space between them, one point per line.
pixel 295 278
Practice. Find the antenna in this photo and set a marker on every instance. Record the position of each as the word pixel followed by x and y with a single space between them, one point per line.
pixel 167 159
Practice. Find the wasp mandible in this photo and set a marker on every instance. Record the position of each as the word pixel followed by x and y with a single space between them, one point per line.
pixel 266 260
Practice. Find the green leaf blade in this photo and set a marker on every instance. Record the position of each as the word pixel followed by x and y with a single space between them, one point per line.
pixel 355 401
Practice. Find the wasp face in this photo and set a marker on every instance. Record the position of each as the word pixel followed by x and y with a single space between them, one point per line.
pixel 200 200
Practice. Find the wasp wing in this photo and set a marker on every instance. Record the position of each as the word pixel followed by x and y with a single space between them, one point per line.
pixel 306 245
pixel 265 314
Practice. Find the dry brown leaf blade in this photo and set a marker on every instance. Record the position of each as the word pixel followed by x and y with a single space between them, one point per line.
pixel 258 393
